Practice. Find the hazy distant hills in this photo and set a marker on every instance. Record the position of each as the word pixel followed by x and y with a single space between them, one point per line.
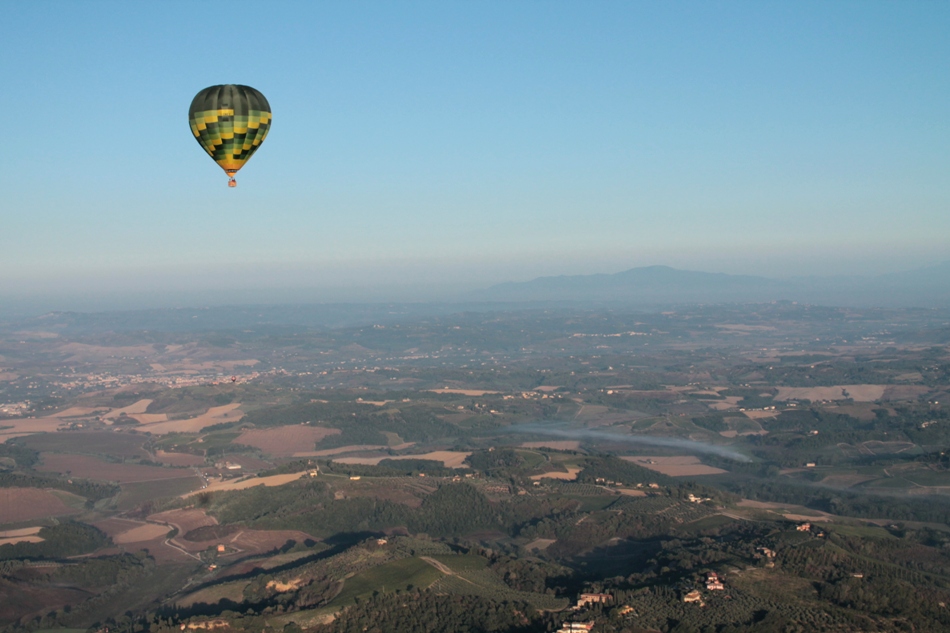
pixel 659 285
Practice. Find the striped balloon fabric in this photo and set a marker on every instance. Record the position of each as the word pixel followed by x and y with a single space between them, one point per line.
pixel 230 122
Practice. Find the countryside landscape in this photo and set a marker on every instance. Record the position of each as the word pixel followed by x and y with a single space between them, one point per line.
pixel 757 467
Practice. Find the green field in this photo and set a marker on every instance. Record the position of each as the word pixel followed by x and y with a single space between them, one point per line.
pixel 398 575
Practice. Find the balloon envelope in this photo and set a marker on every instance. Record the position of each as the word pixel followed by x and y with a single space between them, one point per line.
pixel 230 122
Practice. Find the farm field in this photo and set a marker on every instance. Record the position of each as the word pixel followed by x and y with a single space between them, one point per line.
pixel 858 393
pixel 232 591
pixel 185 520
pixel 570 475
pixel 451 459
pixel 559 445
pixel 144 532
pixel 138 407
pixel 19 427
pixel 250 482
pixel 79 412
pixel 88 467
pixel 178 459
pixel 121 445
pixel 214 415
pixel 27 504
pixel 675 466
pixel 246 542
pixel 23 535
pixel 354 448
pixel 285 441
pixel 134 494
pixel 400 574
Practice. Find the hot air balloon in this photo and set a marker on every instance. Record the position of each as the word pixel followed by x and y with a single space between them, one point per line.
pixel 230 122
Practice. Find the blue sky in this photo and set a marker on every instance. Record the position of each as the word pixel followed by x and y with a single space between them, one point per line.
pixel 419 147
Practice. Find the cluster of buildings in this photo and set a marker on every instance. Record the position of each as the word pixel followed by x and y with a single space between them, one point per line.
pixel 811 529
pixel 576 627
pixel 713 583
pixel 769 555
pixel 14 408
pixel 592 598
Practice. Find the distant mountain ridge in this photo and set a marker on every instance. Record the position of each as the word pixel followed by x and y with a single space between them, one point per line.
pixel 658 285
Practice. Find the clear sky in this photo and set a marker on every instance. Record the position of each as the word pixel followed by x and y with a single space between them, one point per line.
pixel 438 144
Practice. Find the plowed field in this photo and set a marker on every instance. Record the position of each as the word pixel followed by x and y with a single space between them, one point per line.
pixel 26 504
pixel 88 467
pixel 285 441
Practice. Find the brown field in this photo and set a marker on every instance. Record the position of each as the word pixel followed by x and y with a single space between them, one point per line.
pixel 81 351
pixel 26 600
pixel 149 418
pixel 135 407
pixel 24 535
pixel 285 441
pixel 863 412
pixel 905 392
pixel 887 448
pixel 385 490
pixel 250 542
pixel 194 367
pixel 179 459
pixel 103 350
pixel 676 466
pixel 790 511
pixel 28 531
pixel 846 481
pixel 27 426
pixel 250 482
pixel 761 415
pixel 741 327
pixel 137 493
pixel 114 526
pixel 632 492
pixel 540 544
pixel 559 445
pixel 142 533
pixel 451 459
pixel 728 402
pixel 249 463
pixel 8 376
pixel 185 520
pixel 88 467
pixel 78 412
pixel 121 445
pixel 570 475
pixel 27 504
pixel 132 536
pixel 464 392
pixel 858 393
pixel 352 448
pixel 251 564
pixel 214 415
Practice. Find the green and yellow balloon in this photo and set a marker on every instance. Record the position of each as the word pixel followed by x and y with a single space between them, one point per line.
pixel 230 122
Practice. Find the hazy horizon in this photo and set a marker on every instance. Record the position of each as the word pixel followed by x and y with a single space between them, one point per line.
pixel 300 286
pixel 421 150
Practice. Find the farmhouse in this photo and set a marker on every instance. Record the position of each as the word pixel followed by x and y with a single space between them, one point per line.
pixel 575 627
pixel 694 596
pixel 592 598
